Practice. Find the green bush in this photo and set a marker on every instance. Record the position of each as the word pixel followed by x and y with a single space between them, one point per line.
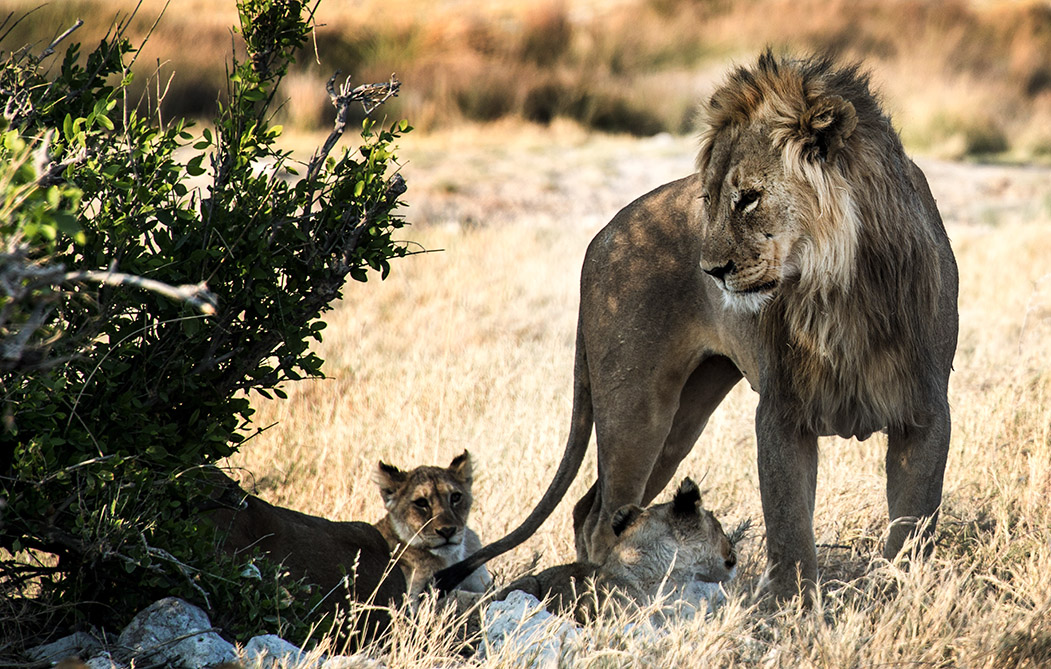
pixel 115 396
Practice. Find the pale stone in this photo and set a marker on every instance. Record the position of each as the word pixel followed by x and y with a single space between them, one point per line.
pixel 103 661
pixel 177 633
pixel 79 644
pixel 534 637
pixel 356 661
pixel 270 650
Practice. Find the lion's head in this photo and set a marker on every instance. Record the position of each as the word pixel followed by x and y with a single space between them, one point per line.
pixel 428 506
pixel 776 156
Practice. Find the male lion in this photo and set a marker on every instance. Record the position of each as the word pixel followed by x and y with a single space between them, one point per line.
pixel 805 255
pixel 426 521
pixel 677 550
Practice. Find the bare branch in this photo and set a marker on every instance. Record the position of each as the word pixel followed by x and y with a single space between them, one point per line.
pixel 369 95
pixel 14 346
pixel 51 47
pixel 196 295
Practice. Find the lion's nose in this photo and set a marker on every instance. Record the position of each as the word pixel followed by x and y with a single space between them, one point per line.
pixel 731 561
pixel 720 271
pixel 446 532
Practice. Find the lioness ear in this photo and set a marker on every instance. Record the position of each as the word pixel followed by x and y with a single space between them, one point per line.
pixel 825 128
pixel 687 498
pixel 461 468
pixel 388 478
pixel 624 517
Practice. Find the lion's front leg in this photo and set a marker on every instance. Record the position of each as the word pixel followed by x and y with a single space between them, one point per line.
pixel 915 468
pixel 787 481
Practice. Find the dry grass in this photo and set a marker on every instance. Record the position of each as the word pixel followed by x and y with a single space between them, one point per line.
pixel 472 347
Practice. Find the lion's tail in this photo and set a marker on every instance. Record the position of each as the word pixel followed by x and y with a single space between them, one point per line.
pixel 576 447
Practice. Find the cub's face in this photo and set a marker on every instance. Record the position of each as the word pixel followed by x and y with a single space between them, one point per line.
pixel 428 506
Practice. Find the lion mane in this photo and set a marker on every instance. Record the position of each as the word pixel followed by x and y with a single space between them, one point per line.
pixel 861 311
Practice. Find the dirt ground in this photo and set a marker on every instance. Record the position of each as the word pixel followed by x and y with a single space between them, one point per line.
pixel 474 177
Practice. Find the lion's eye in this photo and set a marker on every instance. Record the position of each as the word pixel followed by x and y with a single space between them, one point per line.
pixel 748 201
pixel 421 503
pixel 455 497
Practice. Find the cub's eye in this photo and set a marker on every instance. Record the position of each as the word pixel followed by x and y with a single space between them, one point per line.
pixel 455 497
pixel 748 200
pixel 421 503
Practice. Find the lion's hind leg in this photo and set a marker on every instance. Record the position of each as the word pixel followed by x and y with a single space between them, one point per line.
pixel 703 391
pixel 644 429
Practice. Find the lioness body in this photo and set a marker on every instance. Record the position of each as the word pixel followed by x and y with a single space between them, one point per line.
pixel 807 256
pixel 426 521
pixel 348 561
pixel 676 550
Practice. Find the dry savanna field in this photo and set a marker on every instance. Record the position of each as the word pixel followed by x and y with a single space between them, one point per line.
pixel 470 346
pixel 469 343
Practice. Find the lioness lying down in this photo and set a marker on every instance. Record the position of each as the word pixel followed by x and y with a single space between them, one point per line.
pixel 347 561
pixel 426 521
pixel 677 549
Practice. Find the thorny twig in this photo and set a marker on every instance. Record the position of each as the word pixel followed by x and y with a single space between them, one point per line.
pixel 51 47
pixel 369 95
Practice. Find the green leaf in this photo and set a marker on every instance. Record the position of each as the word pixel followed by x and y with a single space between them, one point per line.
pixel 193 167
pixel 253 94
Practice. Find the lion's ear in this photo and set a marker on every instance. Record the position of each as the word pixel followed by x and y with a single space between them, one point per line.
pixel 461 468
pixel 624 517
pixel 687 498
pixel 388 478
pixel 825 128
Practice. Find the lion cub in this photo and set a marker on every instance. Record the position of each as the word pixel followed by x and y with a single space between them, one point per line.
pixel 426 521
pixel 677 549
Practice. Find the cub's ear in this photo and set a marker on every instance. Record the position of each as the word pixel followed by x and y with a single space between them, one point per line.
pixel 624 517
pixel 460 468
pixel 687 498
pixel 388 478
pixel 825 128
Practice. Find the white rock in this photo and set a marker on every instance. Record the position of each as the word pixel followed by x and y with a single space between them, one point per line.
pixel 177 633
pixel 520 628
pixel 356 661
pixel 270 650
pixel 79 644
pixel 103 661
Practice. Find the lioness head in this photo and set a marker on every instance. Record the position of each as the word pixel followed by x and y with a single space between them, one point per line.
pixel 679 541
pixel 776 208
pixel 428 506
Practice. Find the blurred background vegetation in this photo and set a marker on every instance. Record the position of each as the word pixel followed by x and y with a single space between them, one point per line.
pixel 962 78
